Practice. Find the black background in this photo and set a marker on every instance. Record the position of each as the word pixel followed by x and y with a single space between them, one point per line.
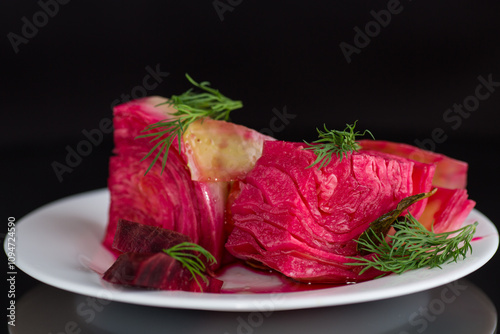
pixel 269 55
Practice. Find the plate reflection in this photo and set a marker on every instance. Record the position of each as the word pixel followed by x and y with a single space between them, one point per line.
pixel 458 307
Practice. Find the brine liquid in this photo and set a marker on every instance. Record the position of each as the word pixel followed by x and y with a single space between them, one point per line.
pixel 239 278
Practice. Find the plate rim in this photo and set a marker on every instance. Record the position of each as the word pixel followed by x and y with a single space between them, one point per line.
pixel 252 302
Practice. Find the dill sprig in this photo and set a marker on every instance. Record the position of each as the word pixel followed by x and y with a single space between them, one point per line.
pixel 382 224
pixel 190 107
pixel 335 142
pixel 185 253
pixel 414 247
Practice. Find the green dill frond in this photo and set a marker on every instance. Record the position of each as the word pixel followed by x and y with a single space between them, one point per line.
pixel 336 142
pixel 414 247
pixel 190 106
pixel 186 254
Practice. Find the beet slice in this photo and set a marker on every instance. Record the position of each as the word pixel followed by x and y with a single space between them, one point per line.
pixel 157 271
pixel 125 268
pixel 144 264
pixel 139 238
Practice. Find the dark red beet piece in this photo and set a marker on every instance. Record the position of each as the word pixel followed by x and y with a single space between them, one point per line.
pixel 157 271
pixel 125 268
pixel 140 238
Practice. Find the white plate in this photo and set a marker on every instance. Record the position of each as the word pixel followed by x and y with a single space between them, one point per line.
pixel 59 243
